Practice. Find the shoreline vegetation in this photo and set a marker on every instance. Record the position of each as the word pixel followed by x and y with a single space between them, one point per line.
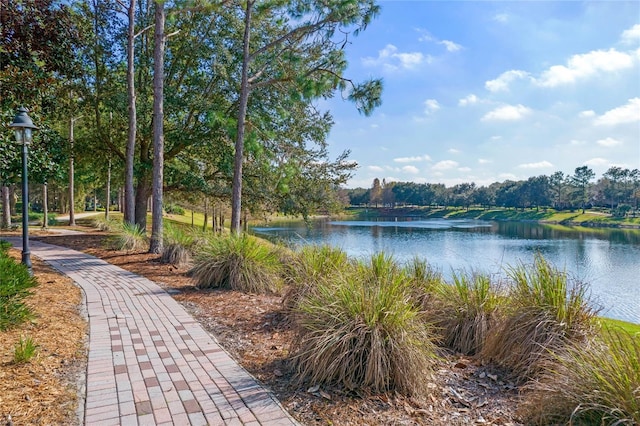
pixel 589 219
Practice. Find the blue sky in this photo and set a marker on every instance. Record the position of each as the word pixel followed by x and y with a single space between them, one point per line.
pixel 485 91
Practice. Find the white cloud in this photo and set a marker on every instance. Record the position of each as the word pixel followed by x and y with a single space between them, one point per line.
pixel 632 35
pixel 451 46
pixel 376 169
pixel 445 165
pixel 507 113
pixel 392 60
pixel 430 106
pixel 627 113
pixel 375 126
pixel 585 65
pixel 464 169
pixel 596 162
pixel 587 114
pixel 576 142
pixel 411 169
pixel 469 100
pixel 609 142
pixel 412 159
pixel 453 151
pixel 539 165
pixel 448 44
pixel 496 138
pixel 483 161
pixel 502 82
pixel 501 17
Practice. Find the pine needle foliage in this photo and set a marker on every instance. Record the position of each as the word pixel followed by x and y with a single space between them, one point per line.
pixel 241 263
pixel 362 331
pixel 591 384
pixel 24 350
pixel 547 314
pixel 466 311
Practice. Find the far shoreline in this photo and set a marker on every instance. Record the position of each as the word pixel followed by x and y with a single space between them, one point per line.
pixel 589 219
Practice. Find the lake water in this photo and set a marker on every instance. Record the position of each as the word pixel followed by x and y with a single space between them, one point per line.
pixel 608 260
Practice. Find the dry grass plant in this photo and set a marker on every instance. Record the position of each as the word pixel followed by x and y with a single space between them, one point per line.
pixel 546 314
pixel 129 237
pixel 178 245
pixel 240 263
pixel 362 331
pixel 310 266
pixel 466 311
pixel 596 384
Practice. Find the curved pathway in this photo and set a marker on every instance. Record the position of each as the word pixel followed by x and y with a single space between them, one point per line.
pixel 149 361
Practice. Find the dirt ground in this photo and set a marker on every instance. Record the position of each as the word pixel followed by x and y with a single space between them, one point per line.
pixel 254 330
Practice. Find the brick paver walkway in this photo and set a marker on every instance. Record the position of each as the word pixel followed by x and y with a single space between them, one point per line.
pixel 150 362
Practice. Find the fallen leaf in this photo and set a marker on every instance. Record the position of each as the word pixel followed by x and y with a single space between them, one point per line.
pixel 313 389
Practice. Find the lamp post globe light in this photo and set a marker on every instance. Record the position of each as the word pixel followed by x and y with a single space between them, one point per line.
pixel 23 128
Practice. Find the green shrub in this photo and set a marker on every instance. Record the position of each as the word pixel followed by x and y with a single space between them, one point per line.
pixel 241 263
pixel 174 209
pixel 466 311
pixel 593 384
pixel 102 224
pixel 24 350
pixel 129 237
pixel 311 266
pixel 14 284
pixel 547 314
pixel 360 330
pixel 4 247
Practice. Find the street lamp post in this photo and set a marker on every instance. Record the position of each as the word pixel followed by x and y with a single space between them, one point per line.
pixel 23 128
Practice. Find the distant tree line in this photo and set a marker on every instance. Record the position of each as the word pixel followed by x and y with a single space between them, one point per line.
pixel 618 190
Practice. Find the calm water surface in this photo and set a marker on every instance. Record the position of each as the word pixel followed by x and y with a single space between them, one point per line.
pixel 607 259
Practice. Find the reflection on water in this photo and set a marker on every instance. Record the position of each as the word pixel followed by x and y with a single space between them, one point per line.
pixel 607 259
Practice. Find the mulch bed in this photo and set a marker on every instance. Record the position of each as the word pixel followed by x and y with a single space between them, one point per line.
pixel 255 331
pixel 45 389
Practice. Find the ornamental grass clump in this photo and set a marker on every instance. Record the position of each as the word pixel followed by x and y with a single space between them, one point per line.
pixel 546 314
pixel 241 263
pixel 178 244
pixel 129 237
pixel 592 384
pixel 362 331
pixel 310 266
pixel 466 311
pixel 15 283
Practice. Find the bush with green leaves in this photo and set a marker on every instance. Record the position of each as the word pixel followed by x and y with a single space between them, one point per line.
pixel 547 313
pixel 4 247
pixel 466 311
pixel 129 237
pixel 242 263
pixel 597 383
pixel 102 224
pixel 15 282
pixel 360 330
pixel 174 209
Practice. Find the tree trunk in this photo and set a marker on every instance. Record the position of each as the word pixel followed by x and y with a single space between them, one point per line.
pixel 6 208
pixel 45 207
pixel 236 201
pixel 108 190
pixel 143 190
pixel 130 200
pixel 12 200
pixel 95 200
pixel 158 130
pixel 72 207
pixel 206 216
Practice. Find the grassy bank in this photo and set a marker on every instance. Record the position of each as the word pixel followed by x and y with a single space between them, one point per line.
pixel 589 218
